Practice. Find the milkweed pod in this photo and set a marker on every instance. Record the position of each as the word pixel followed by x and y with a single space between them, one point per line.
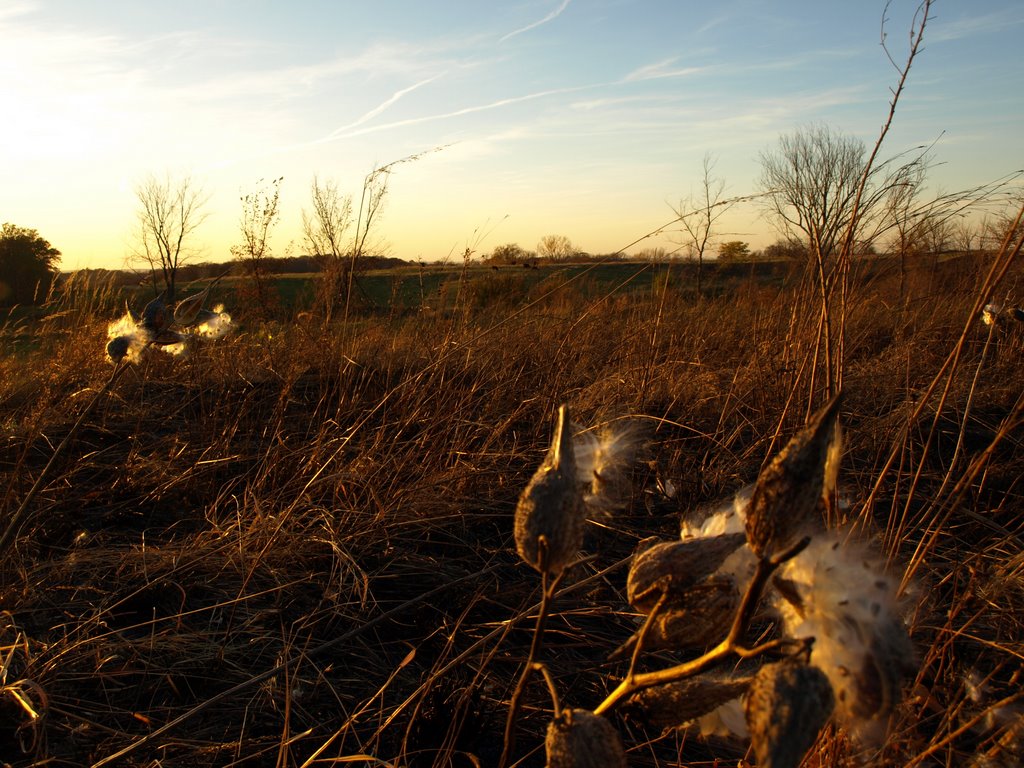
pixel 673 567
pixel 549 518
pixel 166 338
pixel 788 491
pixel 706 613
pixel 580 739
pixel 186 313
pixel 672 705
pixel 700 617
pixel 787 704
pixel 135 316
pixel 154 315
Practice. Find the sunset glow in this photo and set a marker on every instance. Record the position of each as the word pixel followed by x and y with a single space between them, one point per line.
pixel 587 119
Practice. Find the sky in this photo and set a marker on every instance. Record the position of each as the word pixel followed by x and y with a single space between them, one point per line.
pixel 584 118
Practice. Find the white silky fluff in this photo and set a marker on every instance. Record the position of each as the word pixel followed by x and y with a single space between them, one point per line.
pixel 137 338
pixel 603 457
pixel 849 606
pixel 729 516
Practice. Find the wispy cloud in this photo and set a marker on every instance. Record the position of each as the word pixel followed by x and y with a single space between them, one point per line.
pixel 969 26
pixel 550 17
pixel 710 24
pixel 661 69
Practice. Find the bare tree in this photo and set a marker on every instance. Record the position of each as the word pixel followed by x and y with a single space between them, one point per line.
pixel 260 213
pixel 810 183
pixel 700 212
pixel 555 247
pixel 170 212
pixel 325 229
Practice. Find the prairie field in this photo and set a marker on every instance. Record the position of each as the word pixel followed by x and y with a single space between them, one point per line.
pixel 294 546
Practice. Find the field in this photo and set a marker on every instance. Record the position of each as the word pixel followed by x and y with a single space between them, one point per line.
pixel 294 546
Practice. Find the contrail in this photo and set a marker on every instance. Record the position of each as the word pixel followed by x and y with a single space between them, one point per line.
pixel 379 109
pixel 553 15
pixel 456 113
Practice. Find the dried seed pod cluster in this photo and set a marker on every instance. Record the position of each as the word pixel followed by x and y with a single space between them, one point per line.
pixel 828 596
pixel 133 335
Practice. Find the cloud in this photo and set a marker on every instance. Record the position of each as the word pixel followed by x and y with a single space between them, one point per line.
pixel 969 26
pixel 661 69
pixel 550 17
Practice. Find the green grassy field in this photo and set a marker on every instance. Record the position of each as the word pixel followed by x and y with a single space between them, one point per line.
pixel 295 545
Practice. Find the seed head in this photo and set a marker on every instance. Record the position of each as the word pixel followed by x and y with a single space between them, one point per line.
pixel 580 739
pixel 786 707
pixel 550 517
pixel 603 458
pixel 117 348
pixel 788 491
pixel 674 567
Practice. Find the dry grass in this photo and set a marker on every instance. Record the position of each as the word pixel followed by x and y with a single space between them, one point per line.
pixel 295 547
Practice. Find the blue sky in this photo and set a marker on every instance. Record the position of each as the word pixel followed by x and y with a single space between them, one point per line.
pixel 585 118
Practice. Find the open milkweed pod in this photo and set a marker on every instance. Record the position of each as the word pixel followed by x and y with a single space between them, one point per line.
pixel 131 313
pixel 785 500
pixel 187 312
pixel 550 514
pixel 154 316
pixel 787 704
pixel 838 592
pixel 166 338
pixel 673 567
pixel 580 739
pixel 672 705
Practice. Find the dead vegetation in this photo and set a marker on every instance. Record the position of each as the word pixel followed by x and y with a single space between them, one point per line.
pixel 295 547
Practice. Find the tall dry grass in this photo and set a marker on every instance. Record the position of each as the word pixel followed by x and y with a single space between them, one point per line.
pixel 295 546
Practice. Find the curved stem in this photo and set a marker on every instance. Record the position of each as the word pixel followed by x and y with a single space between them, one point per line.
pixel 766 566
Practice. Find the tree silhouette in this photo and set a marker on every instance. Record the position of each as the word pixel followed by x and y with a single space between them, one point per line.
pixel 27 265
pixel 169 213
